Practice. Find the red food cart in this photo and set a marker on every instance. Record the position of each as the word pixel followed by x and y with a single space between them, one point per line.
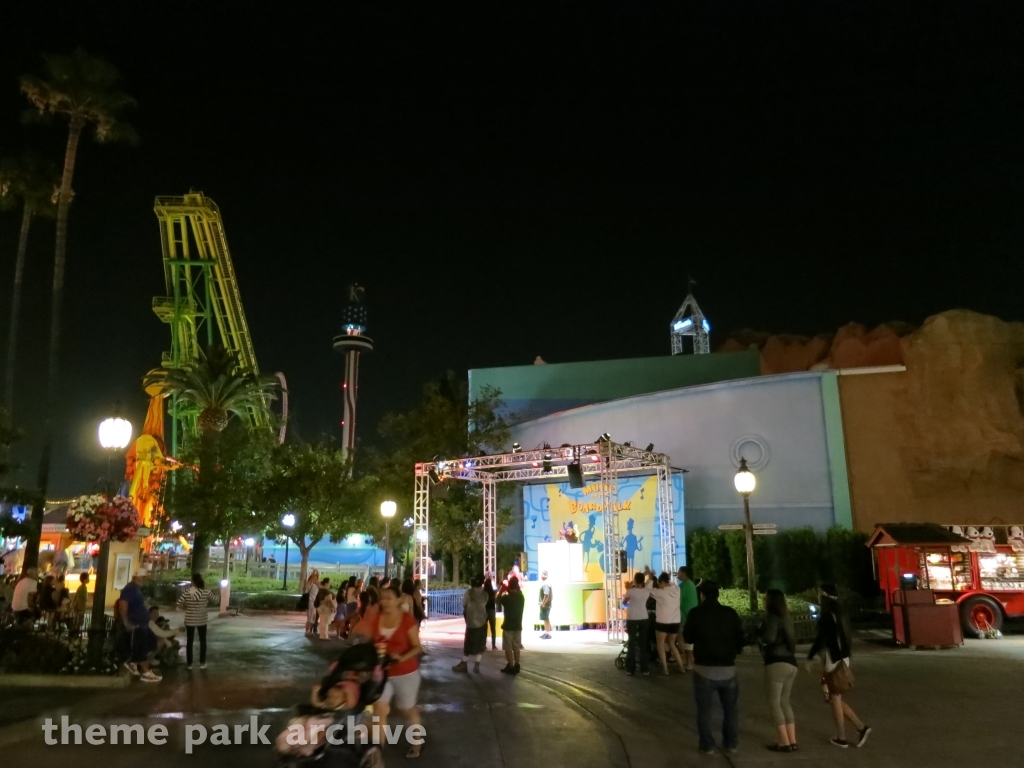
pixel 981 569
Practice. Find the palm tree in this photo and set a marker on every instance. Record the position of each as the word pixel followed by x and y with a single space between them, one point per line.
pixel 85 90
pixel 31 181
pixel 212 390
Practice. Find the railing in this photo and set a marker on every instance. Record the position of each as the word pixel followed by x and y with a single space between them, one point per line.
pixel 444 603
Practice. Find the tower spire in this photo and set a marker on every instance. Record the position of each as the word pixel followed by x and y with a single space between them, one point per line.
pixel 690 321
pixel 350 343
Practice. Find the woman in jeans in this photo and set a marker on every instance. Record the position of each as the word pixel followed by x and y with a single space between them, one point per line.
pixel 778 647
pixel 195 601
pixel 833 643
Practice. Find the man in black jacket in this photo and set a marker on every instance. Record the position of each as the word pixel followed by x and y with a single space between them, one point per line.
pixel 716 633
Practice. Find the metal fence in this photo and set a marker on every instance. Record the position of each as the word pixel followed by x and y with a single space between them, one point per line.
pixel 444 603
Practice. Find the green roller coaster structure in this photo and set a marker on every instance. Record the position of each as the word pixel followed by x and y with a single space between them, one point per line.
pixel 203 304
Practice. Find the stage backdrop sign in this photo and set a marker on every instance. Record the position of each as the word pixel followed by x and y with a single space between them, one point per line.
pixel 546 508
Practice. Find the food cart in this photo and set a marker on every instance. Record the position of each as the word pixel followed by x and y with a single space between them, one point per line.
pixel 979 568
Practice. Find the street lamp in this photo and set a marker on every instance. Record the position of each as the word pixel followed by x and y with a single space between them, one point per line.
pixel 114 435
pixel 288 521
pixel 745 483
pixel 387 511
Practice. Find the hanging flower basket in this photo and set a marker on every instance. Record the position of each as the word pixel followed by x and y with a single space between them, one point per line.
pixel 95 518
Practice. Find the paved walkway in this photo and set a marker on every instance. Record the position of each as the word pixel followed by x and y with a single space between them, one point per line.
pixel 570 706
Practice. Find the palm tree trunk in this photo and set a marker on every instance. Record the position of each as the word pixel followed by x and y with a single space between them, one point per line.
pixel 227 553
pixel 456 556
pixel 12 340
pixel 304 565
pixel 63 203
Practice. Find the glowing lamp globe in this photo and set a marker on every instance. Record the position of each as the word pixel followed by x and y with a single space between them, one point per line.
pixel 288 520
pixel 745 481
pixel 388 509
pixel 115 434
pixel 421 536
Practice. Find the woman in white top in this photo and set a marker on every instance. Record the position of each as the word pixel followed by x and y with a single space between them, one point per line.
pixel 311 589
pixel 666 619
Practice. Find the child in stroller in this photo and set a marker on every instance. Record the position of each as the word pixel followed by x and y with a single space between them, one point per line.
pixel 317 735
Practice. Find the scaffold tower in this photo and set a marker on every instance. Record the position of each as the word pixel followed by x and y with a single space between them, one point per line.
pixel 690 321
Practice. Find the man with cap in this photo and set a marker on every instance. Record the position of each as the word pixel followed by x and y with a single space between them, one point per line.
pixel 545 605
pixel 132 609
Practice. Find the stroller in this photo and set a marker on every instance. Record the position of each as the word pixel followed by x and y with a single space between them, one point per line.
pixel 354 682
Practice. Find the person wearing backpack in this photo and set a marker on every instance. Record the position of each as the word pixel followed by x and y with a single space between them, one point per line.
pixel 777 639
pixel 195 602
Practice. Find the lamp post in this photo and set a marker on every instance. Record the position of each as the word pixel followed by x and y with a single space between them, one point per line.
pixel 745 483
pixel 387 511
pixel 114 436
pixel 288 521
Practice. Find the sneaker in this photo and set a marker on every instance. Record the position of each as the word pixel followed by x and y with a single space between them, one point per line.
pixel 732 750
pixel 132 667
pixel 149 677
pixel 202 666
pixel 862 735
pixel 188 667
pixel 707 751
pixel 545 636
pixel 646 673
pixel 515 670
pixel 461 667
pixel 841 743
pixel 780 747
pixel 476 667
pixel 630 673
pixel 507 669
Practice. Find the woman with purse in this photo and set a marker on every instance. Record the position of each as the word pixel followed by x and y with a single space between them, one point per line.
pixel 778 647
pixel 833 644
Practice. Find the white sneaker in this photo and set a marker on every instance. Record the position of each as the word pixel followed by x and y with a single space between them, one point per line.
pixel 202 666
pixel 149 677
pixel 132 667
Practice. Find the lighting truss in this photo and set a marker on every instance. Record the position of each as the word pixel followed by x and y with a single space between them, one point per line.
pixel 603 461
pixel 690 321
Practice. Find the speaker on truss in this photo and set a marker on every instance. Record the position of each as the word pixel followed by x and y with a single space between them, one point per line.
pixel 575 475
pixel 623 561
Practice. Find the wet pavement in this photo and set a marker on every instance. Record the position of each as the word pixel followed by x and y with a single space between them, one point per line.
pixel 570 705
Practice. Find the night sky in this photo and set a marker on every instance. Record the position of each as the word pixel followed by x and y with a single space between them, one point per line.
pixel 513 180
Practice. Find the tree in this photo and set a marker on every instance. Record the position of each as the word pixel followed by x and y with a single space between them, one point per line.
pixel 315 483
pixel 86 91
pixel 226 499
pixel 30 181
pixel 445 425
pixel 14 496
pixel 214 390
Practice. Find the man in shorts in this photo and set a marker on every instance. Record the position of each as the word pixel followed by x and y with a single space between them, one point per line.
pixel 545 605
pixel 512 604
pixel 131 606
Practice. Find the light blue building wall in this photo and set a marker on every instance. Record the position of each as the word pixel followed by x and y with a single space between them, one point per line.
pixel 788 427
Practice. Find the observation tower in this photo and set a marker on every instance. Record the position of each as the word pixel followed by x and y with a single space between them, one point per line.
pixel 351 343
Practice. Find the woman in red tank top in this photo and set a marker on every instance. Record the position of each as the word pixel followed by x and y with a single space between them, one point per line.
pixel 397 634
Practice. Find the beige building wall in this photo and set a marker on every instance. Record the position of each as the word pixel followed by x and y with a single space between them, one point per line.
pixel 942 441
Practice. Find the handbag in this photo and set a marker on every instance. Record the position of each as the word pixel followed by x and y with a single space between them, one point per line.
pixel 303 603
pixel 839 680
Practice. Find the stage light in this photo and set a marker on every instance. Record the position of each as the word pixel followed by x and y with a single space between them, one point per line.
pixel 650 447
pixel 706 326
pixel 682 325
pixel 516 448
pixel 604 438
pixel 575 475
pixel 434 477
pixel 547 460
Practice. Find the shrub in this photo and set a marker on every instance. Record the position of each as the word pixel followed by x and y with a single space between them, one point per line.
pixel 271 601
pixel 736 542
pixel 22 650
pixel 708 556
pixel 797 559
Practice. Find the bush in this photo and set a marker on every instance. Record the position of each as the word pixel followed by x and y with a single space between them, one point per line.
pixel 794 560
pixel 22 650
pixel 708 556
pixel 270 601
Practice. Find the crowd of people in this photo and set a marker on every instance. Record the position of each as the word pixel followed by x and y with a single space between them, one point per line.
pixel 47 602
pixel 339 612
pixel 704 638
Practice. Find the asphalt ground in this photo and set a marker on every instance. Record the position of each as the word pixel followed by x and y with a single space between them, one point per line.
pixel 569 706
